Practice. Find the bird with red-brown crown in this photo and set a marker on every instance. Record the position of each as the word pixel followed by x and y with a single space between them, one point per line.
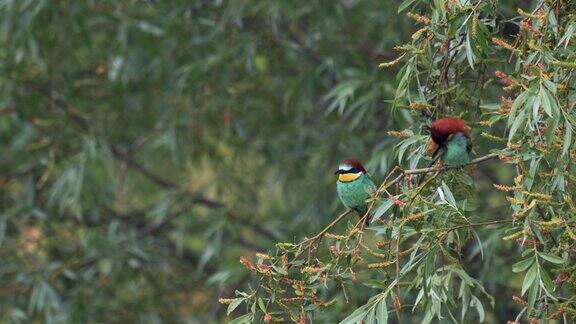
pixel 450 139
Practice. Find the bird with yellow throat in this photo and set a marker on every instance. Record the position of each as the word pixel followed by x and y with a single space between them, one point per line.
pixel 354 186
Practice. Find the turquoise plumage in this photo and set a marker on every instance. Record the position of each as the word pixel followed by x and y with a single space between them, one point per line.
pixel 457 149
pixel 451 138
pixel 355 193
pixel 354 186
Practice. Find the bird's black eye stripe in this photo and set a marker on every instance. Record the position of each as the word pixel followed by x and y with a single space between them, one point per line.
pixel 351 170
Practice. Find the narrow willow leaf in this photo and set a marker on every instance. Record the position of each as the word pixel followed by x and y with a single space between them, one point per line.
pixel 546 101
pixel 382 312
pixel 567 138
pixel 549 85
pixel 405 4
pixel 551 258
pixel 261 305
pixel 382 209
pixel 418 298
pixel 233 305
pixel 469 52
pixel 516 125
pixel 357 316
pixel 479 308
pixel 465 296
pixel 371 318
pixel 519 102
pixel 403 146
pixel 529 278
pixel 567 35
pixel 536 108
pixel 546 280
pixel 247 318
pixel 551 128
pixel 521 266
pixel 448 194
pixel 532 297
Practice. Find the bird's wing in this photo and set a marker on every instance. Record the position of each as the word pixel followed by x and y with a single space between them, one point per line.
pixel 370 187
pixel 431 147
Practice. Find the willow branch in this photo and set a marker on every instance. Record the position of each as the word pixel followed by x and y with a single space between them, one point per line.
pixel 519 317
pixel 436 169
pixel 327 228
pixel 433 169
pixel 500 221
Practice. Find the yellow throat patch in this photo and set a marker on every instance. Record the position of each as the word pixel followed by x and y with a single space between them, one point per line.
pixel 347 177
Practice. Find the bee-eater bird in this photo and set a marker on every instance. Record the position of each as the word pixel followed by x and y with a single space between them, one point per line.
pixel 354 186
pixel 451 138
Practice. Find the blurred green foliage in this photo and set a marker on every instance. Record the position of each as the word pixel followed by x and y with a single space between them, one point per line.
pixel 148 145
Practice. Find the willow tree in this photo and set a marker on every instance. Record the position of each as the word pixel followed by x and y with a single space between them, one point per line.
pixel 437 247
pixel 147 145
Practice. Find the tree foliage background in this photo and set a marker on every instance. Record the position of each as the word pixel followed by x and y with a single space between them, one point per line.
pixel 148 146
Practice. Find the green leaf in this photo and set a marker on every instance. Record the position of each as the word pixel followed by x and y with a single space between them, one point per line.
pixel 469 52
pixel 567 138
pixel 516 125
pixel 551 258
pixel 370 319
pixel 536 108
pixel 479 308
pixel 261 304
pixel 382 312
pixel 567 34
pixel 246 318
pixel 546 101
pixel 382 209
pixel 532 297
pixel 546 280
pixel 358 315
pixel 549 85
pixel 341 94
pixel 529 278
pixel 403 146
pixel 464 294
pixel 405 4
pixel 521 266
pixel 519 102
pixel 448 195
pixel 374 283
pixel 551 127
pixel 279 269
pixel 233 305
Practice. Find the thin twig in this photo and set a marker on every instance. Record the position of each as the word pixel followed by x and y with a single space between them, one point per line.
pixel 434 169
pixel 500 221
pixel 519 317
pixel 319 236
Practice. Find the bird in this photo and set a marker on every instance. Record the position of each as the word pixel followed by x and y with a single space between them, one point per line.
pixel 354 186
pixel 450 138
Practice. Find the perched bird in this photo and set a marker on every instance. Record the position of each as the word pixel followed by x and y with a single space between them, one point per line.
pixel 354 186
pixel 450 137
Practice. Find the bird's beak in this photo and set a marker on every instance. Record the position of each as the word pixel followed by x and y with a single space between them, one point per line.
pixel 339 171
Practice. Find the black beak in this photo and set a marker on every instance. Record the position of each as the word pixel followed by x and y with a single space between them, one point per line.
pixel 339 171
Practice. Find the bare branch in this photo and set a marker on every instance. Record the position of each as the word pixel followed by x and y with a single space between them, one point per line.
pixel 433 169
